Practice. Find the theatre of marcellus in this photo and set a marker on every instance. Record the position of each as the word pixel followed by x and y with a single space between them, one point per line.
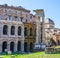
pixel 21 31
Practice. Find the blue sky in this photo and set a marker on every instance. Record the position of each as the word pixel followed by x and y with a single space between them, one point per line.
pixel 51 7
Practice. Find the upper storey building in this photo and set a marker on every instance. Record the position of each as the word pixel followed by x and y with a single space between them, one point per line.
pixel 13 28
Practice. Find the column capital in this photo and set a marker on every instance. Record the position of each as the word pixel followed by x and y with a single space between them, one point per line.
pixel 39 12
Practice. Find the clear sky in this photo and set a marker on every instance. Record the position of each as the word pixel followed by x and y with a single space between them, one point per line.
pixel 51 7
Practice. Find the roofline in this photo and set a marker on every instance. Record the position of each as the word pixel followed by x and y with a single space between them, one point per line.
pixel 13 7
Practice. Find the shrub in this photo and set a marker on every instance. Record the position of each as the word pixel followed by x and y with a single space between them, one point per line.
pixel 52 50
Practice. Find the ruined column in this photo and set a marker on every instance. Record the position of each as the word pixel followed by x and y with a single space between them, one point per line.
pixel 40 39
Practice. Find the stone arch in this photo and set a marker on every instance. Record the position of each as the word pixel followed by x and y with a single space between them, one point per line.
pixel 58 42
pixel 5 30
pixel 19 46
pixel 19 30
pixel 4 46
pixel 53 43
pixel 25 47
pixel 25 31
pixel 31 31
pixel 12 30
pixel 31 47
pixel 12 46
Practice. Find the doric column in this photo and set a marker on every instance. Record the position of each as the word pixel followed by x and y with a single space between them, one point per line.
pixel 9 30
pixel 2 30
pixel 8 45
pixel 15 46
pixel 22 32
pixel 0 46
pixel 22 46
pixel 16 30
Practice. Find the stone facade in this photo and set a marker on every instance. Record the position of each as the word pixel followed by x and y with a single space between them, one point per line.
pixel 13 21
pixel 51 32
pixel 22 31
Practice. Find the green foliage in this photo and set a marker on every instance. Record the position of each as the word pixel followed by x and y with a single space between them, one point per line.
pixel 34 55
pixel 52 50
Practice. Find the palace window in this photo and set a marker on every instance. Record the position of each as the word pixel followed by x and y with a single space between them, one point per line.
pixel 30 16
pixel 15 18
pixel 25 31
pixel 5 30
pixel 9 17
pixel 19 30
pixel 21 19
pixel 12 30
pixel 31 31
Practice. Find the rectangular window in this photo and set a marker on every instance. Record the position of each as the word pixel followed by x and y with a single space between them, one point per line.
pixel 30 17
pixel 9 17
pixel 21 19
pixel 15 18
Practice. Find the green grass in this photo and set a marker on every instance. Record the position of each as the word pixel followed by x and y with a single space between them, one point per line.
pixel 33 55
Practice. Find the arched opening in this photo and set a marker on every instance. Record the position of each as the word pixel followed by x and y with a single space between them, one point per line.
pixel 58 42
pixel 31 47
pixel 19 30
pixel 31 31
pixel 19 46
pixel 4 46
pixel 12 46
pixel 52 42
pixel 25 31
pixel 12 30
pixel 25 47
pixel 5 30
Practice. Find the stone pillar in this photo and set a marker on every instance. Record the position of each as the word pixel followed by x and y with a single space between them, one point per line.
pixel 37 30
pixel 22 32
pixel 0 47
pixel 43 31
pixel 37 33
pixel 39 16
pixel 22 41
pixel 9 30
pixel 16 30
pixel 2 30
pixel 8 45
pixel 22 46
pixel 15 46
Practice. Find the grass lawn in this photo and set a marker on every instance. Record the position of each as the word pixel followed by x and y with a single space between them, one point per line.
pixel 33 55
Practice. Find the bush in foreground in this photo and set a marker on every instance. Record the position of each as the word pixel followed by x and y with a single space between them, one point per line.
pixel 52 50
